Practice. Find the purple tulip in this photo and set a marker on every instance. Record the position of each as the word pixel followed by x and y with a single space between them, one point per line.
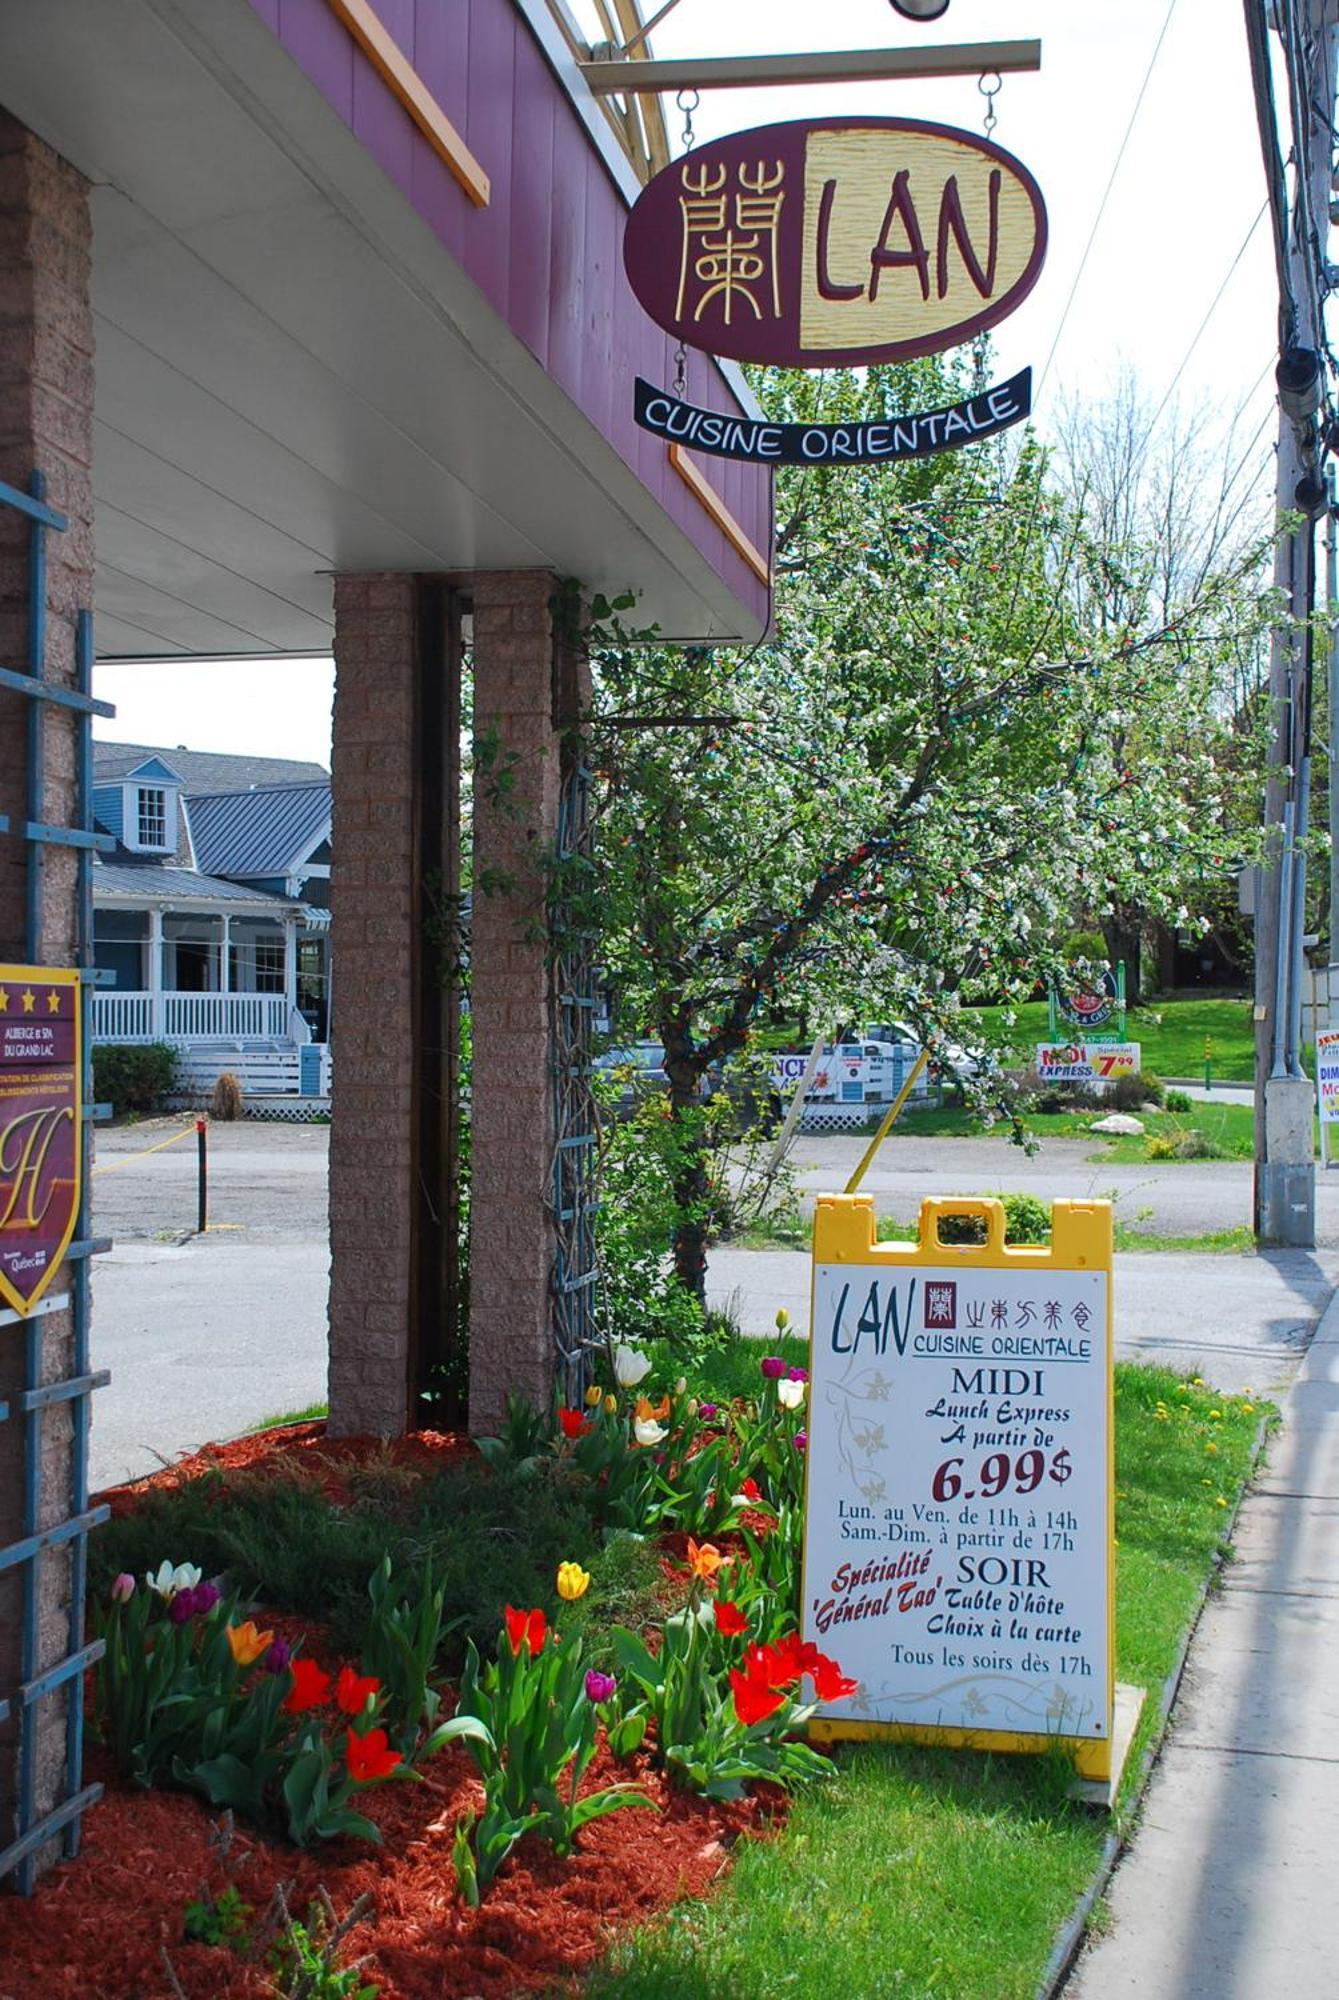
pixel 797 1374
pixel 707 1410
pixel 600 1687
pixel 277 1658
pixel 123 1589
pixel 206 1596
pixel 182 1608
pixel 801 1440
pixel 773 1367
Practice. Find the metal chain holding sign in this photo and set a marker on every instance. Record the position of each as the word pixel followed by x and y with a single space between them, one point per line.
pixel 989 83
pixel 687 101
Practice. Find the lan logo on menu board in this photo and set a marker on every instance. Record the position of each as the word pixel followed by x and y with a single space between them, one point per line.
pixel 850 240
pixel 41 1142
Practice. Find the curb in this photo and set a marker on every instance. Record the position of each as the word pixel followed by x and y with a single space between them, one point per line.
pixel 1070 1942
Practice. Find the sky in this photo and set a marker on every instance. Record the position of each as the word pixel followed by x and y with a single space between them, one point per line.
pixel 1135 263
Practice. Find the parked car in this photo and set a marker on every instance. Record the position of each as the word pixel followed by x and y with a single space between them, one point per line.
pixel 638 1069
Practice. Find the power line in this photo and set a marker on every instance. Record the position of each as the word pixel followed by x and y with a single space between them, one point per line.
pixel 1199 331
pixel 1106 196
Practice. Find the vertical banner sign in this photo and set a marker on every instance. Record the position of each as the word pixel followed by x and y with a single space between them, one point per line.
pixel 41 1151
pixel 959 1506
pixel 1327 1086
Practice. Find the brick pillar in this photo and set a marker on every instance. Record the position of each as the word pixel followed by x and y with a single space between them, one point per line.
pixel 511 1229
pixel 375 942
pixel 46 424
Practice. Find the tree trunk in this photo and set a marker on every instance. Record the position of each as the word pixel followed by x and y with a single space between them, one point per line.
pixel 684 1068
pixel 1122 942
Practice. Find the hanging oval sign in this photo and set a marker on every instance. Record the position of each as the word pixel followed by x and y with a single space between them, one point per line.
pixel 816 244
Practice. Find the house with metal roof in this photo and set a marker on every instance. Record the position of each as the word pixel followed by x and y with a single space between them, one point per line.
pixel 211 914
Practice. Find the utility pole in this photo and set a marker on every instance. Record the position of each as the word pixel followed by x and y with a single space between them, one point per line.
pixel 1308 37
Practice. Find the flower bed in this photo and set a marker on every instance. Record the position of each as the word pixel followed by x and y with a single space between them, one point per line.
pixel 480 1843
pixel 638 1599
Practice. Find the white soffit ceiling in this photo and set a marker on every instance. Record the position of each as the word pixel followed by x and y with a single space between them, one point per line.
pixel 292 375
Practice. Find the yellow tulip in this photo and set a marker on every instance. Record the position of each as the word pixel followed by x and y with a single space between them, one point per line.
pixel 246 1644
pixel 594 1396
pixel 704 1559
pixel 573 1581
pixel 611 1406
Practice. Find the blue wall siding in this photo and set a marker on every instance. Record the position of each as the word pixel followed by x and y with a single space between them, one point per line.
pixel 109 808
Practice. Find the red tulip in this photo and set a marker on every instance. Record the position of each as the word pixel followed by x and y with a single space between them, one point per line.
pixel 370 1757
pixel 353 1691
pixel 574 1425
pixel 730 1620
pixel 754 1700
pixel 526 1627
pixel 830 1683
pixel 751 1490
pixel 310 1689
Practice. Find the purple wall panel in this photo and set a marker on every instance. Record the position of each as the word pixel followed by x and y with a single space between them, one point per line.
pixel 567 216
pixel 531 185
pixel 327 50
pixel 441 57
pixel 384 126
pixel 488 130
pixel 547 250
pixel 597 349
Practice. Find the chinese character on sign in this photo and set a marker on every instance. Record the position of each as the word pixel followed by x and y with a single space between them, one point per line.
pixel 730 239
pixel 941 1305
pixel 999 1312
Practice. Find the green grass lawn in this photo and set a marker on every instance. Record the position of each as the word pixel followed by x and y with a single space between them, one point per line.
pixel 1229 1127
pixel 935 1875
pixel 1170 1033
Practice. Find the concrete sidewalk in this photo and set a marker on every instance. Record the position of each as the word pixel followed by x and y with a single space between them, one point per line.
pixel 1231 1888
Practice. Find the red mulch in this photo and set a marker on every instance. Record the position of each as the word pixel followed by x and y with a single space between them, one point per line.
pixel 96 1926
pixel 298 1448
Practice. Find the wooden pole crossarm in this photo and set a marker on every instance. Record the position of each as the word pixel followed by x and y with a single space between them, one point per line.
pixel 834 66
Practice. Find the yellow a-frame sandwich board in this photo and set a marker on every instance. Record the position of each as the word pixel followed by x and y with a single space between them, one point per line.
pixel 959 1550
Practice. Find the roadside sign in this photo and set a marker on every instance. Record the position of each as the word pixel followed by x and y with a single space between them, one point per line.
pixel 1091 1004
pixel 959 1555
pixel 41 1135
pixel 1087 1062
pixel 1327 1085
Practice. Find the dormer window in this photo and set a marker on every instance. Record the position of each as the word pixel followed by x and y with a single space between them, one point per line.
pixel 151 816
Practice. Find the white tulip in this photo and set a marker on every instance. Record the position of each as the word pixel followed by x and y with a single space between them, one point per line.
pixel 789 1394
pixel 647 1431
pixel 167 1581
pixel 630 1365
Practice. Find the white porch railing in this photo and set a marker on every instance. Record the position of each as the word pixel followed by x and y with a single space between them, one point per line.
pixel 188 1017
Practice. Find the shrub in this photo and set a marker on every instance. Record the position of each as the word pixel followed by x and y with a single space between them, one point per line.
pixel 1184 1146
pixel 1089 947
pixel 133 1076
pixel 225 1099
pixel 1132 1093
pixel 1178 1100
pixel 1026 1219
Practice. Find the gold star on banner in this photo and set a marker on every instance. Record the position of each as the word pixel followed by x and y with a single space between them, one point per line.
pixel 53 1002
pixel 4 1000
pixel 29 1001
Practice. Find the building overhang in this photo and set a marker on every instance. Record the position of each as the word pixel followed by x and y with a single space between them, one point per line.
pixel 294 375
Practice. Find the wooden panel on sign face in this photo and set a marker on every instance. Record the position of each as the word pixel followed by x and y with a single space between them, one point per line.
pixel 901 228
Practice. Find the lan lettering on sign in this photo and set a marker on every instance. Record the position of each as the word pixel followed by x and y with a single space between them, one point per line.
pixel 730 239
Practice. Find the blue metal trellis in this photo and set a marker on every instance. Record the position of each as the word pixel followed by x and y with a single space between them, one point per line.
pixel 34 1829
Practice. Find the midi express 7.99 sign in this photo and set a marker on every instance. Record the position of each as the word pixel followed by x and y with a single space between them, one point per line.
pixel 958 1552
